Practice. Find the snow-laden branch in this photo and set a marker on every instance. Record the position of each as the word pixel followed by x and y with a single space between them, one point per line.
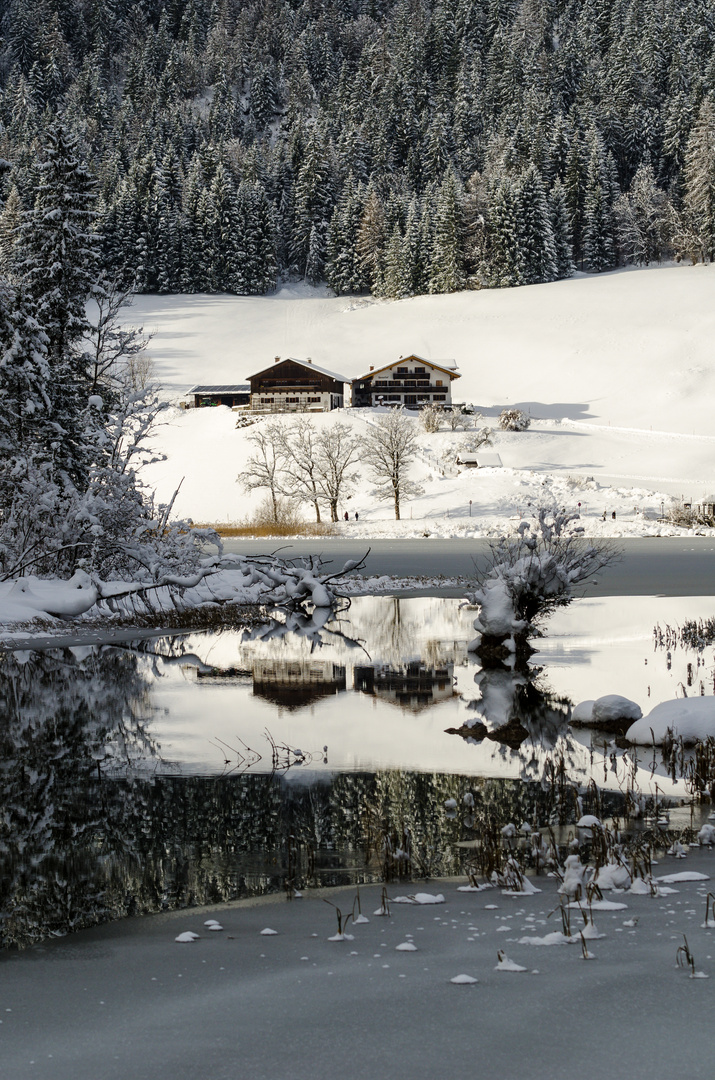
pixel 301 585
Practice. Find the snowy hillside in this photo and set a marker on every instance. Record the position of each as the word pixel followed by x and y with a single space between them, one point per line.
pixel 616 371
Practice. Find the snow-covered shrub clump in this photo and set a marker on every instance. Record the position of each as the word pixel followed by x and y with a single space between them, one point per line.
pixel 530 574
pixel 514 420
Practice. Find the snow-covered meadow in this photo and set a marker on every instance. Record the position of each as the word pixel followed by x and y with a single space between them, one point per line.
pixel 616 371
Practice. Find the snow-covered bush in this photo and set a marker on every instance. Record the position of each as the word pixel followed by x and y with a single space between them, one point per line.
pixel 431 418
pixel 530 574
pixel 514 420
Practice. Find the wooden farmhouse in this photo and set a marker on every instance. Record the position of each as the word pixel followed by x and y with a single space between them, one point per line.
pixel 411 381
pixel 296 386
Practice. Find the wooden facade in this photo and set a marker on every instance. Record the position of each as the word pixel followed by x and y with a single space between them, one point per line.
pixel 233 396
pixel 411 381
pixel 296 386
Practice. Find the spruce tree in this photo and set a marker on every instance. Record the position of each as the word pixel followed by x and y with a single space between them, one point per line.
pixel 535 231
pixel 561 228
pixel 447 262
pixel 700 179
pixel 59 271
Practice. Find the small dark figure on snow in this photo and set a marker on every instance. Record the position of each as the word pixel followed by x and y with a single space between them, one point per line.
pixel 346 516
pixel 356 517
pixel 613 515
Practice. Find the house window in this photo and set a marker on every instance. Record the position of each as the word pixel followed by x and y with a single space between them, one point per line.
pixel 292 400
pixel 438 382
pixel 266 401
pixel 313 400
pixel 439 397
pixel 419 371
pixel 401 370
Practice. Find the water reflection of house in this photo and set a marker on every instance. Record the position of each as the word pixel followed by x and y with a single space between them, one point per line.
pixel 412 685
pixel 296 683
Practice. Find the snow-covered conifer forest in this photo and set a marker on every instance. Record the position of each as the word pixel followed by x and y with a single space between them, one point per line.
pixel 399 148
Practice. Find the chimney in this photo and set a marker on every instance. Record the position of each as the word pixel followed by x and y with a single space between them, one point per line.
pixel 308 360
pixel 372 367
pixel 277 359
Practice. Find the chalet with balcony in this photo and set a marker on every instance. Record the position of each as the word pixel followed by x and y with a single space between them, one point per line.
pixel 296 386
pixel 411 381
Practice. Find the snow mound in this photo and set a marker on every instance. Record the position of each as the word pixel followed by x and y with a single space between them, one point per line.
pixel 420 898
pixel 615 707
pixel 588 821
pixel 684 875
pixel 267 932
pixel 505 964
pixel 689 719
pixel 583 711
pixel 613 876
pixel 186 937
pixel 406 946
pixel 463 980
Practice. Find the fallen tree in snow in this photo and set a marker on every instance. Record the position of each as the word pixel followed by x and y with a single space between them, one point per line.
pixel 296 585
pixel 527 576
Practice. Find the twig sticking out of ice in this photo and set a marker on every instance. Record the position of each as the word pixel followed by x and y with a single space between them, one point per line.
pixel 186 937
pixel 268 932
pixel 463 980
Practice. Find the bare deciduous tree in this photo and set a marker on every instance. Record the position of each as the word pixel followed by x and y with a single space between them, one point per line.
pixel 458 417
pixel 300 447
pixel 110 347
pixel 265 468
pixel 390 450
pixel 338 449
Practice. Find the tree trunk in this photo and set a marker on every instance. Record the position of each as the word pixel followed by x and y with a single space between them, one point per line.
pixel 333 509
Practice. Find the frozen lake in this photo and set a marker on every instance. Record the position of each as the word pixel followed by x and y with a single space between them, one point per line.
pixel 199 768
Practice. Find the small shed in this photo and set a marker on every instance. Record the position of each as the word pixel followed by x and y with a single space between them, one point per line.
pixel 480 460
pixel 204 396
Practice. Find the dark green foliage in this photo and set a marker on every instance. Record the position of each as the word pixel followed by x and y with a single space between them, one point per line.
pixel 359 119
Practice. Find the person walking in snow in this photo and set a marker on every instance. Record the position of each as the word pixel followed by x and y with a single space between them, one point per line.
pixel 356 515
pixel 346 516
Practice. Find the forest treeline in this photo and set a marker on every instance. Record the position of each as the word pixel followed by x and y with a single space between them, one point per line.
pixel 396 147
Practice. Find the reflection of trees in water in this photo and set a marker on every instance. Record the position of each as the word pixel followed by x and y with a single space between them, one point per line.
pixel 83 842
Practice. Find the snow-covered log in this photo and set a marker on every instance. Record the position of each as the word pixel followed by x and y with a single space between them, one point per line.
pixel 301 585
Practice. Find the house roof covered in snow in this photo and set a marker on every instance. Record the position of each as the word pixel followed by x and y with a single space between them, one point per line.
pixel 239 388
pixel 449 367
pixel 307 364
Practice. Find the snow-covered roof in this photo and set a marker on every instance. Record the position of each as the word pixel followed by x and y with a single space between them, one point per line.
pixel 308 364
pixel 239 388
pixel 449 367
